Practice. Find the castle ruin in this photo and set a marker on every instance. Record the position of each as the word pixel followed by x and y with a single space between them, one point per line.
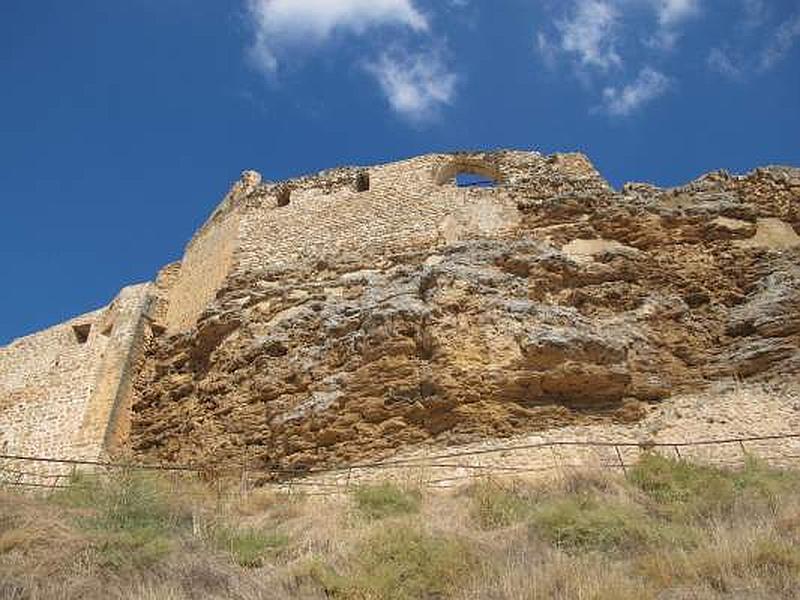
pixel 565 239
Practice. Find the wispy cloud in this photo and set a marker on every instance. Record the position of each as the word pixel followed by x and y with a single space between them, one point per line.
pixel 781 43
pixel 416 84
pixel 605 38
pixel 671 16
pixel 719 60
pixel 755 12
pixel 588 34
pixel 624 100
pixel 741 59
pixel 672 12
pixel 284 24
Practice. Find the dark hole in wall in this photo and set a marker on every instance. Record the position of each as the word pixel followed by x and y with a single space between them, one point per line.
pixel 82 332
pixel 284 196
pixel 362 182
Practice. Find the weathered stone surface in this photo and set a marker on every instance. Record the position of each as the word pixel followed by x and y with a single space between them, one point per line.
pixel 323 320
pixel 563 307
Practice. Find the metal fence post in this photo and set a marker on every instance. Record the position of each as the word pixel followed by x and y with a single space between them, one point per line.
pixel 621 461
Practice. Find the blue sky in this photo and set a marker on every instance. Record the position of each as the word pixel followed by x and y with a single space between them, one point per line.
pixel 123 122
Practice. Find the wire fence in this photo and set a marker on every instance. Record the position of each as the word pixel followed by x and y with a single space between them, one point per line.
pixel 443 469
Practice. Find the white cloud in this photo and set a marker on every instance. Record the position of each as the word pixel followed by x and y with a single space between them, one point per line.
pixel 590 34
pixel 781 43
pixel 600 37
pixel 592 31
pixel 672 12
pixel 415 84
pixel 738 64
pixel 649 85
pixel 279 24
pixel 720 61
pixel 755 13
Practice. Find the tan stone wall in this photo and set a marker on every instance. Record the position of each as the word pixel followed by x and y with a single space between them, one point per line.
pixel 57 394
pixel 63 398
pixel 405 207
pixel 412 203
pixel 46 380
pixel 205 265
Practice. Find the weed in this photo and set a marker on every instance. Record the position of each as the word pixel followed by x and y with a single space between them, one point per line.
pixel 386 500
pixel 401 563
pixel 130 517
pixel 682 489
pixel 249 547
pixel 496 506
pixel 588 522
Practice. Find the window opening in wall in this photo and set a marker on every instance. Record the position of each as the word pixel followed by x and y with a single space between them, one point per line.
pixel 474 180
pixel 284 196
pixel 82 332
pixel 362 182
pixel 468 173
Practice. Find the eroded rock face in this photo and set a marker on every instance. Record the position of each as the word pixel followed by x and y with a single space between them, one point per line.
pixel 587 308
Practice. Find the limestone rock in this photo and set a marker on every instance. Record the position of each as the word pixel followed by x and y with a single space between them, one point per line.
pixel 548 300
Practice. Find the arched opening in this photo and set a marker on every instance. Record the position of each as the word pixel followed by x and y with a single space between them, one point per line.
pixel 465 179
pixel 468 173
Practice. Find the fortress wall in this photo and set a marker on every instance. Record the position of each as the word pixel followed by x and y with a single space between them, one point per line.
pixel 106 417
pixel 410 203
pixel 58 388
pixel 205 265
pixel 46 380
pixel 404 207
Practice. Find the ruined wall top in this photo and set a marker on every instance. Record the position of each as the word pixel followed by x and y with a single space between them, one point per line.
pixel 518 172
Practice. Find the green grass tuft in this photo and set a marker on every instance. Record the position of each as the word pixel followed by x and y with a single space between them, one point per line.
pixel 685 490
pixel 130 517
pixel 386 500
pixel 249 547
pixel 578 522
pixel 495 507
pixel 401 563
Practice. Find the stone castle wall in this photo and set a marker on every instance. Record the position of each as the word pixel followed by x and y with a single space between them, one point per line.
pixel 60 389
pixel 65 396
pixel 205 265
pixel 409 204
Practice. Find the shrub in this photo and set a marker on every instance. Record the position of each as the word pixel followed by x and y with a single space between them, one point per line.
pixel 130 516
pixel 587 522
pixel 248 547
pixel 758 482
pixel 386 500
pixel 733 560
pixel 689 490
pixel 495 507
pixel 683 489
pixel 400 563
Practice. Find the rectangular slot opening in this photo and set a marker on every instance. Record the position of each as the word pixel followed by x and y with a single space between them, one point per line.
pixel 82 332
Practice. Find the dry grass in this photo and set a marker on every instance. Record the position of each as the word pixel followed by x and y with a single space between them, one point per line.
pixel 668 530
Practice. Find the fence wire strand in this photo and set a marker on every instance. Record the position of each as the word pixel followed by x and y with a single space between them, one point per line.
pixel 305 478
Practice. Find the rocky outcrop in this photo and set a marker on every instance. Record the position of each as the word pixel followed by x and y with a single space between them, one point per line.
pixel 592 305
